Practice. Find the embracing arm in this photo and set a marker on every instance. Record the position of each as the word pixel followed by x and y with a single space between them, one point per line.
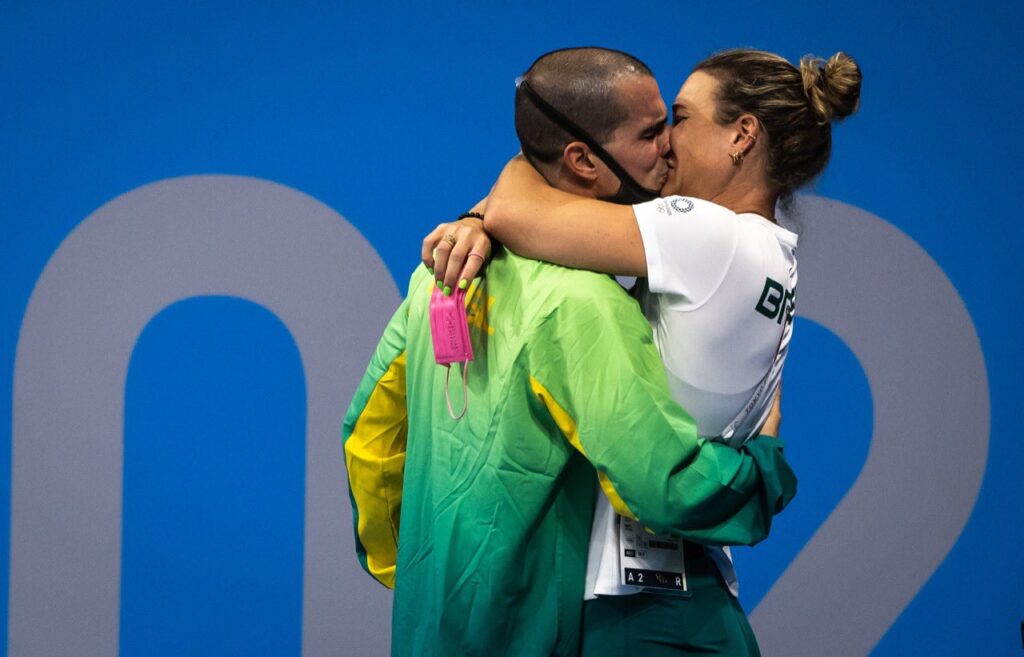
pixel 598 374
pixel 538 221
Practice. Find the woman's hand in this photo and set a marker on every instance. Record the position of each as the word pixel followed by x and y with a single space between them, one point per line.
pixel 771 425
pixel 456 252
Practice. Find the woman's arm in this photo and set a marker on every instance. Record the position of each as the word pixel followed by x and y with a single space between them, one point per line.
pixel 538 221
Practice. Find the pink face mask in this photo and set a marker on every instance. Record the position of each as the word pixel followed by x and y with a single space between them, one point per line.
pixel 449 330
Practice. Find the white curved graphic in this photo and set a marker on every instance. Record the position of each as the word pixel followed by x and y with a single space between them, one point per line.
pixel 147 249
pixel 892 305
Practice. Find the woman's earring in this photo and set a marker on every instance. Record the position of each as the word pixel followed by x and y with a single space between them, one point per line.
pixel 738 156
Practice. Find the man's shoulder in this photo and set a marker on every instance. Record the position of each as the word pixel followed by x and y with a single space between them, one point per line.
pixel 570 310
pixel 554 296
pixel 560 283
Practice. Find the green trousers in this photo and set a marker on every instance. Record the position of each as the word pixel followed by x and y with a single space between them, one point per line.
pixel 709 621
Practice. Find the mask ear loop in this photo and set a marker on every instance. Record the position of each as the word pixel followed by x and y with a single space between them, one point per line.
pixel 465 392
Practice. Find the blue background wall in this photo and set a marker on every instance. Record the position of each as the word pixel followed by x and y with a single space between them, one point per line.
pixel 399 117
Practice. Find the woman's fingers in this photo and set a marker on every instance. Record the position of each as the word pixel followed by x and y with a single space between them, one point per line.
pixel 469 236
pixel 774 421
pixel 442 250
pixel 478 256
pixel 430 242
pixel 456 252
pixel 456 258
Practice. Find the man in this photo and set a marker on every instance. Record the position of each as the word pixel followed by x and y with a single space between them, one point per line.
pixel 566 389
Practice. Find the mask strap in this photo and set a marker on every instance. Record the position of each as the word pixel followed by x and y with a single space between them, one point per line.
pixel 630 189
pixel 465 392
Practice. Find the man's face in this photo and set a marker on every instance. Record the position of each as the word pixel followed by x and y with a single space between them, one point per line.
pixel 640 144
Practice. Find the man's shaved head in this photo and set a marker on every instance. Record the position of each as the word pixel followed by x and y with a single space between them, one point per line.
pixel 581 84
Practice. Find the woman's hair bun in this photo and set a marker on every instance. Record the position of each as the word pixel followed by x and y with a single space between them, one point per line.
pixel 832 87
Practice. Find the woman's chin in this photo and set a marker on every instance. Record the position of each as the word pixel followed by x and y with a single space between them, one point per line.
pixel 673 188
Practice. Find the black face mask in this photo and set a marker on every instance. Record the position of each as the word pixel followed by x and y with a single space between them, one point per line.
pixel 630 191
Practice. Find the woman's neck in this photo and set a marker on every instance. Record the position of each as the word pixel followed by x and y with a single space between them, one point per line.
pixel 749 198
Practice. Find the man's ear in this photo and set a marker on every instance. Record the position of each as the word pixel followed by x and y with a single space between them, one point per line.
pixel 579 161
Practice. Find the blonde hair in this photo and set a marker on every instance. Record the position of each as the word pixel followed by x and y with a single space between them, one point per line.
pixel 796 108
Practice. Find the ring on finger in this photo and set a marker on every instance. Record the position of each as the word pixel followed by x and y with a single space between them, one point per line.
pixel 474 254
pixel 450 238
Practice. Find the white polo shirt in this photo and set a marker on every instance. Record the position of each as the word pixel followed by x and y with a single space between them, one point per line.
pixel 719 296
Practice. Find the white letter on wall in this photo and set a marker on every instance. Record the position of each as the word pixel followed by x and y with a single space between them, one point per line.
pixel 145 250
pixel 875 288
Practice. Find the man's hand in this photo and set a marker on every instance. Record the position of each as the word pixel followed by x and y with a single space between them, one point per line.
pixel 771 425
pixel 456 252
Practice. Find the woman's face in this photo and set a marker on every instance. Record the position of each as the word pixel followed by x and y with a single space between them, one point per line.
pixel 699 163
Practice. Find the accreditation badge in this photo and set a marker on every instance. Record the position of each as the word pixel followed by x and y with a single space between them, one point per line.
pixel 653 561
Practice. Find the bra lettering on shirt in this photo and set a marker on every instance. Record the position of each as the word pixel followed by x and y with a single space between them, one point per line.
pixel 776 301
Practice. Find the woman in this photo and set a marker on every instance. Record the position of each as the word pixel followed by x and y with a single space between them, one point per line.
pixel 748 129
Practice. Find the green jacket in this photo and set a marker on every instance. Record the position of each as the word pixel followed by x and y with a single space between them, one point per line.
pixel 495 509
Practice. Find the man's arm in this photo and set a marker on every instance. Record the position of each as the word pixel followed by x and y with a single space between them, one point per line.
pixel 374 436
pixel 595 368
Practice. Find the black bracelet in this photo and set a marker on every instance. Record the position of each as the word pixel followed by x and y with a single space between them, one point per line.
pixel 471 215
